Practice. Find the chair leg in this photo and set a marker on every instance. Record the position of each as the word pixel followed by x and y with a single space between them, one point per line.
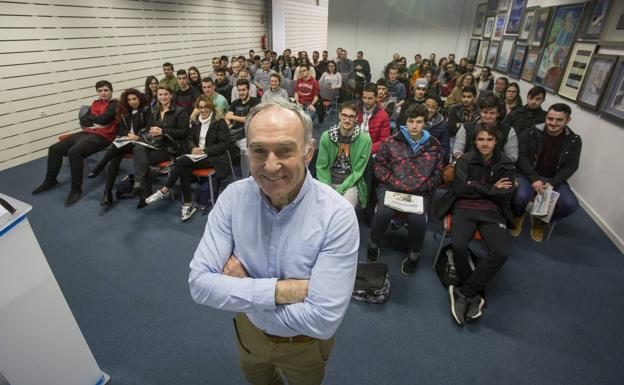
pixel 443 236
pixel 551 227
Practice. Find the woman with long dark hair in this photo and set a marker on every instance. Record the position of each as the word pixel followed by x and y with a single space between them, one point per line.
pixel 283 68
pixel 151 85
pixel 195 78
pixel 131 114
pixel 210 137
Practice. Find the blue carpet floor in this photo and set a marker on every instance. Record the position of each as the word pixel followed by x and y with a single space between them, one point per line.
pixel 554 310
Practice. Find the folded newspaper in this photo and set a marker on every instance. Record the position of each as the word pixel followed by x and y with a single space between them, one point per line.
pixel 194 157
pixel 544 204
pixel 406 203
pixel 122 142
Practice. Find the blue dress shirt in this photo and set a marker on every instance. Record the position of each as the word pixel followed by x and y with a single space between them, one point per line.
pixel 315 237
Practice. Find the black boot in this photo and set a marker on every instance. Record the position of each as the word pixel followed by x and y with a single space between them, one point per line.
pixel 107 198
pixel 74 196
pixel 45 186
pixel 142 196
pixel 96 171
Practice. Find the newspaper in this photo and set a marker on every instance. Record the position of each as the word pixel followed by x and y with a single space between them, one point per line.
pixel 122 142
pixel 406 203
pixel 194 157
pixel 544 204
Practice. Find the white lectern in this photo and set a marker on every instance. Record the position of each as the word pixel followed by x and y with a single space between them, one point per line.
pixel 40 342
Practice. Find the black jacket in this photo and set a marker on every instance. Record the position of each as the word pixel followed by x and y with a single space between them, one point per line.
pixel 175 127
pixel 474 180
pixel 408 102
pixel 456 115
pixel 531 142
pixel 135 121
pixel 216 146
pixel 524 118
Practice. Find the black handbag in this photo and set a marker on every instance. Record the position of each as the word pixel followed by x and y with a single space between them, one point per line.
pixel 372 283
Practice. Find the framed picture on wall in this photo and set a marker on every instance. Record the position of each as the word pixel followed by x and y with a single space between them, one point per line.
pixel 613 104
pixel 514 20
pixel 595 81
pixel 517 60
pixel 540 26
pixel 483 49
pixel 596 19
pixel 489 27
pixel 490 59
pixel 492 5
pixel 477 28
pixel 559 40
pixel 504 54
pixel 575 71
pixel 527 24
pixel 473 50
pixel 499 27
pixel 530 63
pixel 503 6
pixel 614 30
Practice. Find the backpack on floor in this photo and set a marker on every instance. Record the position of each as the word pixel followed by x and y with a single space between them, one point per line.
pixel 445 266
pixel 372 284
pixel 125 187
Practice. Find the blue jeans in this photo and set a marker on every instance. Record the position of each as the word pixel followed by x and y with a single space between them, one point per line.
pixel 311 113
pixel 567 203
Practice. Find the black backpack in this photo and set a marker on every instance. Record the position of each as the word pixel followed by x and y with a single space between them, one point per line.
pixel 125 187
pixel 372 284
pixel 445 266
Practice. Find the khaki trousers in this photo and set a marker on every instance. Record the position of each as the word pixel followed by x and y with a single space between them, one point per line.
pixel 262 360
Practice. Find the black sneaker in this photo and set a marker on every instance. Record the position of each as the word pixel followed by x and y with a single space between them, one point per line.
pixel 372 253
pixel 95 172
pixel 409 265
pixel 74 196
pixel 45 186
pixel 475 305
pixel 459 305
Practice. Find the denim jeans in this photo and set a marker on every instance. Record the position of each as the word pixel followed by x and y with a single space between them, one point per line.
pixel 566 205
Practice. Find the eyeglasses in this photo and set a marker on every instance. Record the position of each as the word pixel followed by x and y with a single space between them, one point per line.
pixel 203 107
pixel 348 117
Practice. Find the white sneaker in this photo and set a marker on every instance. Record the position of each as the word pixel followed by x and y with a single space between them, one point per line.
pixel 187 212
pixel 158 195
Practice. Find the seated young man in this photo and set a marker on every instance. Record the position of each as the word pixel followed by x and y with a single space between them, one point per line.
pixel 235 119
pixel 437 125
pixel 343 155
pixel 185 95
pixel 372 118
pixel 530 114
pixel 478 200
pixel 307 91
pixel 274 91
pixel 387 102
pixel 489 112
pixel 466 112
pixel 549 155
pixel 420 89
pixel 99 130
pixel 409 162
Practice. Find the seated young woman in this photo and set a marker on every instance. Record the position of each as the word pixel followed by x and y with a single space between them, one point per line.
pixel 210 137
pixel 131 115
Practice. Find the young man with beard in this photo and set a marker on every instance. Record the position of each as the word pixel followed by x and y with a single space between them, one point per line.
pixel 253 90
pixel 506 137
pixel 387 102
pixel 464 113
pixel 549 155
pixel 263 75
pixel 307 91
pixel 529 115
pixel 409 162
pixel 169 80
pixel 219 101
pixel 396 89
pixel 478 200
pixel 437 125
pixel 222 84
pixel 372 118
pixel 343 155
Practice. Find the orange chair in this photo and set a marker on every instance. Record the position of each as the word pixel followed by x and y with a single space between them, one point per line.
pixel 446 233
pixel 206 173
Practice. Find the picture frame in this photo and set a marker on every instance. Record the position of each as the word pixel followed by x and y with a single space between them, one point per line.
pixel 505 52
pixel 563 27
pixel 517 60
pixel 530 63
pixel 489 27
pixel 612 105
pixel 477 28
pixel 502 6
pixel 481 56
pixel 499 26
pixel 540 26
pixel 514 18
pixel 595 19
pixel 596 79
pixel 473 50
pixel 575 70
pixel 527 23
pixel 492 5
pixel 490 59
pixel 613 32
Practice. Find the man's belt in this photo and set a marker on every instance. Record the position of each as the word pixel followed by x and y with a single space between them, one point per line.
pixel 290 340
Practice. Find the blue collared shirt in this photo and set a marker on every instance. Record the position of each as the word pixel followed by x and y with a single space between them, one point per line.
pixel 315 237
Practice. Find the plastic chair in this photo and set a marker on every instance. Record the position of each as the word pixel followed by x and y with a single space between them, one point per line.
pixel 206 173
pixel 446 233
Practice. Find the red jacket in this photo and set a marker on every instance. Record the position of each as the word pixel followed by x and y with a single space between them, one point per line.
pixel 101 112
pixel 378 126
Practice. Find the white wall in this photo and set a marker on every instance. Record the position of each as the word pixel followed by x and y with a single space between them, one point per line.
pixel 300 25
pixel 381 28
pixel 53 52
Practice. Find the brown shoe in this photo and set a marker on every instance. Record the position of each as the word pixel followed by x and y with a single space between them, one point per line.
pixel 537 229
pixel 519 221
